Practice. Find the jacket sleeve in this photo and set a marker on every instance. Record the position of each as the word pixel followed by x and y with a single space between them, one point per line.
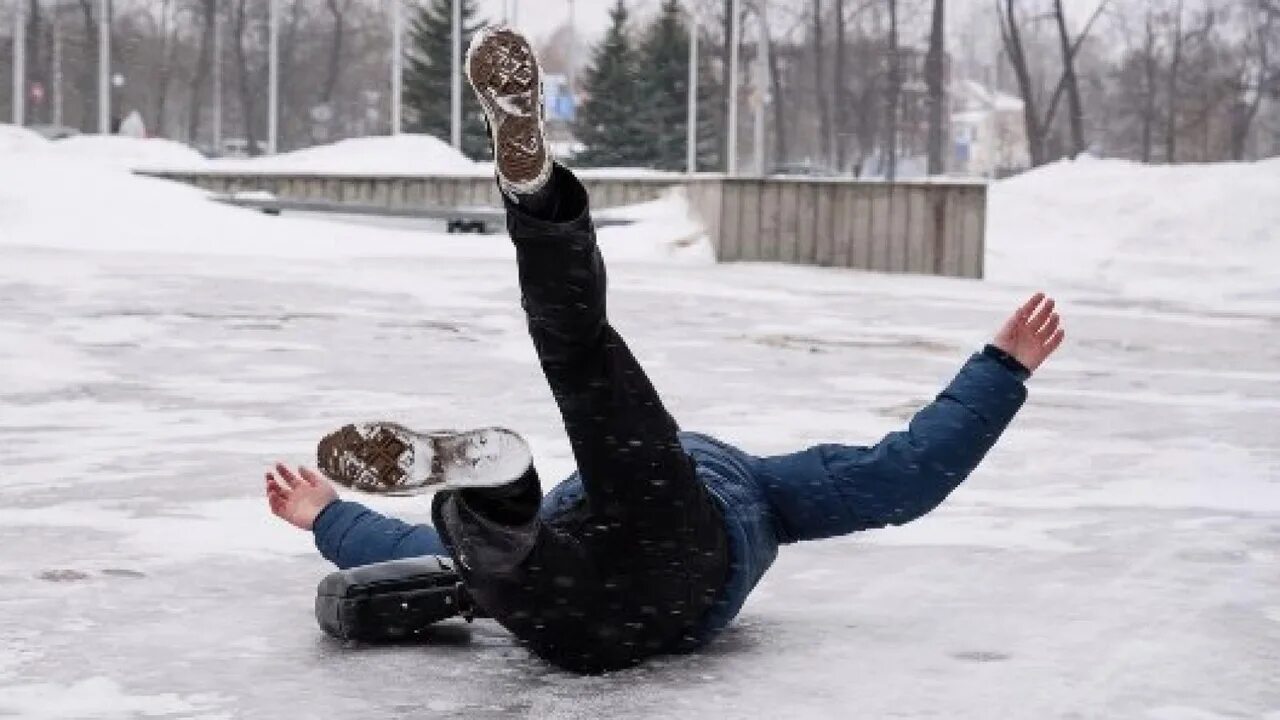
pixel 837 489
pixel 349 534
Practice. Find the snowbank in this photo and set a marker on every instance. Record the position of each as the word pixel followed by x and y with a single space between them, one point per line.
pixel 15 139
pixel 126 152
pixel 1199 233
pixel 54 201
pixel 406 154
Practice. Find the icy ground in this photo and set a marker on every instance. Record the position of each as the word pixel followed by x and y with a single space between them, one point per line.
pixel 1115 557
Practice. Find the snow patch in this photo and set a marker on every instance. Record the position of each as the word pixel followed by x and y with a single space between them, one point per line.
pixel 100 698
pixel 126 153
pixel 406 154
pixel 1201 233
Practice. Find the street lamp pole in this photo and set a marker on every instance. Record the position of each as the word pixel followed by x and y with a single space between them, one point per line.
pixel 273 78
pixel 691 141
pixel 217 82
pixel 19 62
pixel 735 37
pixel 104 67
pixel 397 32
pixel 762 84
pixel 455 85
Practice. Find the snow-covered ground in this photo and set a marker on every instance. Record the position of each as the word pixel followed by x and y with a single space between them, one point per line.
pixel 1115 557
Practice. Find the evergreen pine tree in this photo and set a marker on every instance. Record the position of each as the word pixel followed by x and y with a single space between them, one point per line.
pixel 608 125
pixel 664 87
pixel 427 79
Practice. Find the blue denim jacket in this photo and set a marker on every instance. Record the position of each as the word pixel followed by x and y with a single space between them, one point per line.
pixel 820 492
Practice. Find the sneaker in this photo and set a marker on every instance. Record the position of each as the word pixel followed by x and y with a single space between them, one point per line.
pixel 504 74
pixel 389 459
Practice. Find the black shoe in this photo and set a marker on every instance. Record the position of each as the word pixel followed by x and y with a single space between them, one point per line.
pixel 391 601
pixel 391 459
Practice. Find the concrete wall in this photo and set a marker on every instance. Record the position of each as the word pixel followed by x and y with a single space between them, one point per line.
pixel 928 228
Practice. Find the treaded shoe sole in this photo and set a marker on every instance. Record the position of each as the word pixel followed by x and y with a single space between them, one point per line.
pixel 386 458
pixel 504 73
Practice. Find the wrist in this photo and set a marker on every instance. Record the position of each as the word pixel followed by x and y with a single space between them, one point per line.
pixel 1008 361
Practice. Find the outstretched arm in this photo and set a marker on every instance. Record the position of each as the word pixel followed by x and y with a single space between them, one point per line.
pixel 837 489
pixel 347 534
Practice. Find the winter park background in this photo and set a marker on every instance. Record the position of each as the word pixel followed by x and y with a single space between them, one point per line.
pixel 1117 555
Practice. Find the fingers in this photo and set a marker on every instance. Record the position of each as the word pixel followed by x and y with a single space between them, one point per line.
pixel 1054 342
pixel 311 477
pixel 1029 306
pixel 290 480
pixel 1051 327
pixel 1041 316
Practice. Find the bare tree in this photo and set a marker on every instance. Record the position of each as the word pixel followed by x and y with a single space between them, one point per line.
pixel 208 14
pixel 1037 125
pixel 1075 109
pixel 248 106
pixel 893 92
pixel 820 84
pixel 935 81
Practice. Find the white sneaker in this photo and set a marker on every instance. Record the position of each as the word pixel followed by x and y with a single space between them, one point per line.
pixel 505 75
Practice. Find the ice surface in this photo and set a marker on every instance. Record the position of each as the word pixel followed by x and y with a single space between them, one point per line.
pixel 1115 557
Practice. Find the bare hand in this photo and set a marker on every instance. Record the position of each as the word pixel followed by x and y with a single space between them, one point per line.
pixel 298 499
pixel 1032 333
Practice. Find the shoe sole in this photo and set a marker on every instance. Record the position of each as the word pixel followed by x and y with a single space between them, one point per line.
pixel 386 458
pixel 502 69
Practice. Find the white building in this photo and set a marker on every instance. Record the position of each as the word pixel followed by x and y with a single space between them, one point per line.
pixel 988 133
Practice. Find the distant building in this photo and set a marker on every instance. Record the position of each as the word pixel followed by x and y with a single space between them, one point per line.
pixel 988 134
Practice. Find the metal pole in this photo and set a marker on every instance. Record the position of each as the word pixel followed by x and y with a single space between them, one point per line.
pixel 217 82
pixel 273 78
pixel 735 37
pixel 762 85
pixel 57 65
pixel 397 31
pixel 19 62
pixel 573 44
pixel 691 141
pixel 455 90
pixel 104 68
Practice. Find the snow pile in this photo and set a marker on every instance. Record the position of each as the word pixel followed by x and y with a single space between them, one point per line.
pixel 1198 233
pixel 53 201
pixel 15 139
pixel 126 152
pixel 406 154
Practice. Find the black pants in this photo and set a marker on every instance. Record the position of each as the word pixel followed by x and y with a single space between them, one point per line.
pixel 630 570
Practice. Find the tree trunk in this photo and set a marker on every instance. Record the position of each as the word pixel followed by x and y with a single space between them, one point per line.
pixel 1074 108
pixel 1175 63
pixel 335 51
pixel 840 117
pixel 1149 89
pixel 726 78
pixel 820 86
pixel 779 111
pixel 34 67
pixel 165 71
pixel 247 107
pixel 893 91
pixel 88 70
pixel 209 18
pixel 933 76
pixel 1022 73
